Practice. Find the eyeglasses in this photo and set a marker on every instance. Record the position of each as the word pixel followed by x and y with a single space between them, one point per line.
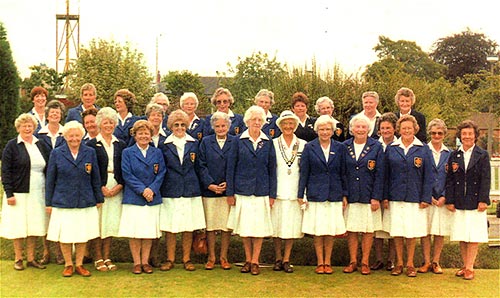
pixel 218 102
pixel 179 125
pixel 439 133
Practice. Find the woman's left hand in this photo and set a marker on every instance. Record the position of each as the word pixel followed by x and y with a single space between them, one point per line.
pixel 344 202
pixel 423 205
pixel 482 206
pixel 271 202
pixel 375 204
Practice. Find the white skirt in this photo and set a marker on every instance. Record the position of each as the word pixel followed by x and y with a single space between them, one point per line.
pixel 216 213
pixel 360 218
pixel 26 218
pixel 469 226
pixel 140 222
pixel 323 219
pixel 386 224
pixel 251 216
pixel 182 214
pixel 110 212
pixel 439 221
pixel 73 225
pixel 286 217
pixel 408 220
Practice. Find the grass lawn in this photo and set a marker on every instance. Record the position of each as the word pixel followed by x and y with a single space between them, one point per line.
pixel 218 283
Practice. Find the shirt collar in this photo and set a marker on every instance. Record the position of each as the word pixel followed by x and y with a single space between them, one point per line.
pixel 230 113
pixel 171 138
pixel 416 142
pixel 100 138
pixel 443 148
pixel 470 149
pixel 20 140
pixel 246 135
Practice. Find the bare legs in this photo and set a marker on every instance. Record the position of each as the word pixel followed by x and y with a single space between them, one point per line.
pixel 469 253
pixel 140 249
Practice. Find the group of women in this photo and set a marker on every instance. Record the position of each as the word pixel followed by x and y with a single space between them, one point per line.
pixel 256 176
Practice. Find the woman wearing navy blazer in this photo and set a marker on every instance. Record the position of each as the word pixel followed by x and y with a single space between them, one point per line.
pixel 73 190
pixel 124 105
pixel 324 106
pixel 24 161
pixel 265 100
pixel 467 195
pixel 213 158
pixel 322 171
pixel 108 149
pixel 189 103
pixel 408 190
pixel 222 99
pixel 143 170
pixel 305 130
pixel 88 94
pixel 405 99
pixel 439 217
pixel 365 184
pixel 182 207
pixel 251 187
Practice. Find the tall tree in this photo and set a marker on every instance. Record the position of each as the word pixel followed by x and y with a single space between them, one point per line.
pixel 9 90
pixel 111 66
pixel 464 53
pixel 178 82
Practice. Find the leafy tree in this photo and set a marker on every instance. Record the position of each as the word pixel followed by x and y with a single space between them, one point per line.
pixel 178 82
pixel 110 66
pixel 9 90
pixel 463 53
pixel 405 56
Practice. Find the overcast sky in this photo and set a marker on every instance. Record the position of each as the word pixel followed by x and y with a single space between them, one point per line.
pixel 203 35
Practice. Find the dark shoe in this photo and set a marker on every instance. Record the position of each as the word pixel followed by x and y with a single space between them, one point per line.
pixel 461 272
pixel 365 270
pixel 397 270
pixel 44 260
pixel 328 269
pixel 36 265
pixel 424 268
pixel 225 264
pixel 60 260
pixel 87 260
pixel 350 268
pixel 154 262
pixel 389 266
pixel 210 265
pixel 189 266
pixel 278 265
pixel 411 272
pixel 287 267
pixel 468 274
pixel 82 271
pixel 68 271
pixel 320 269
pixel 18 265
pixel 377 266
pixel 255 269
pixel 245 268
pixel 436 269
pixel 137 269
pixel 167 265
pixel 146 268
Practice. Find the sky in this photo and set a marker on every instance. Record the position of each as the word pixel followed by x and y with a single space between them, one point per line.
pixel 202 36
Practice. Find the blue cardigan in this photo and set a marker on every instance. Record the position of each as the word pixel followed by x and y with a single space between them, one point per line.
pixel 365 176
pixel 408 178
pixel 140 173
pixel 322 180
pixel 249 171
pixel 73 183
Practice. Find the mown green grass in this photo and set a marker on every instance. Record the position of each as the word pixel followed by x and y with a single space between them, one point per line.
pixel 219 283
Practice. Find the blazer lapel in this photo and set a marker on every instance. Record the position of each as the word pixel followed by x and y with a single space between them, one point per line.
pixel 319 152
pixel 475 156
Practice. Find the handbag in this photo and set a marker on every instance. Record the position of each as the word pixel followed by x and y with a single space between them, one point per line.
pixel 200 242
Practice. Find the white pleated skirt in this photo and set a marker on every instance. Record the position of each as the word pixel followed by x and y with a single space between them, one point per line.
pixel 110 212
pixel 216 213
pixel 386 224
pixel 140 222
pixel 469 226
pixel 323 219
pixel 286 217
pixel 73 225
pixel 439 221
pixel 182 215
pixel 360 218
pixel 26 218
pixel 408 220
pixel 251 216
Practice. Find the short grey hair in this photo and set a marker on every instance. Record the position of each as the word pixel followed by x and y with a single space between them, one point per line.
pixel 370 94
pixel 187 95
pixel 322 100
pixel 72 125
pixel 357 118
pixel 26 117
pixel 220 115
pixel 154 107
pixel 253 110
pixel 159 95
pixel 106 113
pixel 264 92
pixel 324 119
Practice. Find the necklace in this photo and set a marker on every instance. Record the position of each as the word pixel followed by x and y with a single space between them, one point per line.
pixel 288 161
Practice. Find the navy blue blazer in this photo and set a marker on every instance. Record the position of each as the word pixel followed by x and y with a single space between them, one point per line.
pixel 16 166
pixel 122 131
pixel 237 126
pixel 307 132
pixel 181 180
pixel 73 183
pixel 365 176
pixel 439 173
pixel 213 163
pixel 196 129
pixel 43 137
pixel 76 113
pixel 421 134
pixel 252 172
pixel 270 128
pixel 141 172
pixel 322 180
pixel 102 159
pixel 39 125
pixel 408 178
pixel 465 189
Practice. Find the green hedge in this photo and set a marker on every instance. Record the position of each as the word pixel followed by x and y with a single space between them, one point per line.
pixel 302 253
